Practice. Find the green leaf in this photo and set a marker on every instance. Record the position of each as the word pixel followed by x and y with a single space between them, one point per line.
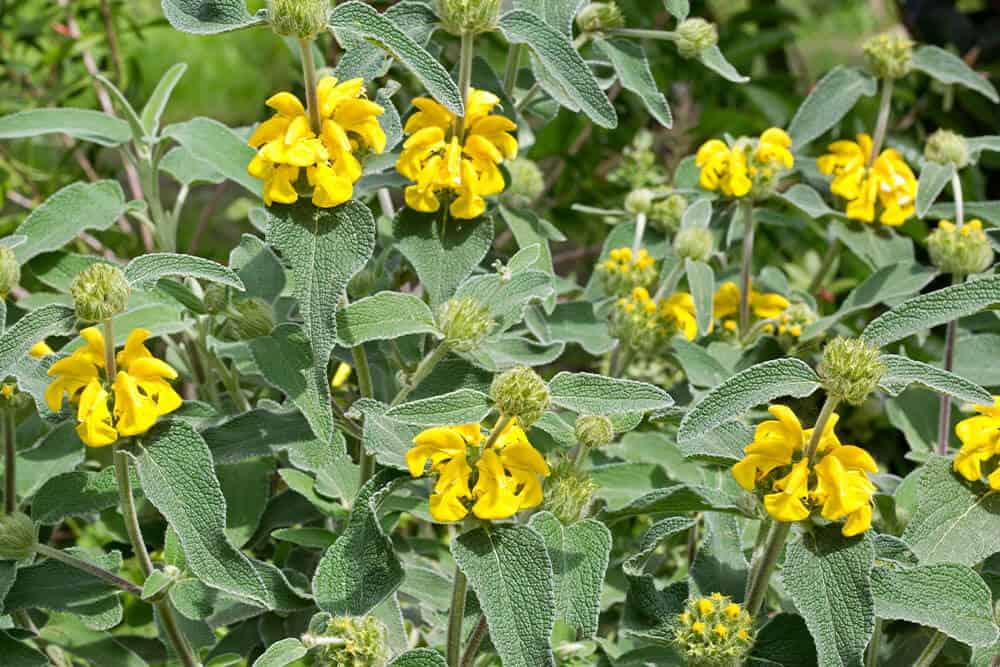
pixel 443 258
pixel 977 145
pixel 498 354
pixel 678 499
pixel 384 316
pixel 989 211
pixel 875 247
pixel 57 452
pixel 592 394
pixel 212 142
pixel 361 19
pixel 209 17
pixel 368 60
pixel 51 320
pixel 177 475
pixel 832 98
pixel 19 654
pixel 828 579
pixel 579 554
pixel 701 282
pixel 755 386
pixel 969 354
pixel 419 657
pixel 156 583
pixel 929 310
pixel 145 270
pixel 463 406
pixel 125 108
pixel 383 436
pixel 507 295
pixel 83 124
pixel 575 322
pixel 722 445
pixel 947 597
pixel 715 60
pixel 700 366
pixel 282 653
pixel 719 564
pixel 509 569
pixel 784 641
pixel 361 569
pixel 646 606
pixel 246 487
pixel 262 432
pixel 807 200
pixel 901 372
pixel 955 521
pixel 74 494
pixel 556 53
pixel 181 163
pixel 680 9
pixel 311 538
pixel 98 648
pixel 60 218
pixel 629 61
pixel 949 68
pixel 157 102
pixel 934 178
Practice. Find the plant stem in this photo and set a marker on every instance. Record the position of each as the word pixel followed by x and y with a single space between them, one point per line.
pixel 956 189
pixel 746 264
pixel 464 79
pixel 932 649
pixel 9 461
pixel 89 568
pixel 364 373
pixel 498 428
pixel 427 364
pixel 475 640
pixel 871 658
pixel 110 367
pixel 644 34
pixel 167 617
pixel 944 413
pixel 513 65
pixel 669 283
pixel 882 122
pixel 832 250
pixel 309 81
pixel 455 617
pixel 824 416
pixel 640 231
pixel 620 360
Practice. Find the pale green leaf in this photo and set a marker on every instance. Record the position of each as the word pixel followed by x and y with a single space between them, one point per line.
pixel 281 653
pixel 722 445
pixel 575 322
pixel 246 487
pixel 74 494
pixel 784 641
pixel 507 296
pixel 383 436
pixel 701 282
pixel 145 270
pixel 419 657
pixel 680 9
pixel 977 145
pixel 209 17
pixel 384 316
pixel 19 654
pixel 901 372
pixel 678 499
pixel 719 565
pixel 934 178
pixel 948 68
pixel 369 61
pixel 56 453
pixel 875 247
pixel 629 61
pixel 715 60
pixel 157 102
pixel 51 320
pixel 499 354
pixel 807 200
pixel 592 394
pixel 463 406
pixel 832 98
pixel 74 209
pixel 212 142
pixel 181 163
pixel 83 124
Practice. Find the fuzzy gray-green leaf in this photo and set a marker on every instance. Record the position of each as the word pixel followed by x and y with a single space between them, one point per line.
pixel 282 653
pixel 61 217
pixel 419 657
pixel 832 98
pixel 209 17
pixel 948 69
pixel 384 316
pixel 901 372
pixel 629 61
pixel 145 270
pixel 462 406
pixel 592 394
pixel 50 320
pixel 84 124
pixel 933 179
pixel 212 142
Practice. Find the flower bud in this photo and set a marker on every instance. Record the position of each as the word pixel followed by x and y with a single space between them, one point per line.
pixel 851 369
pixel 10 271
pixel 622 271
pixel 248 319
pixel 714 631
pixel 100 292
pixel 467 16
pixel 568 492
pixel 464 322
pixel 303 19
pixel 639 201
pixel 520 392
pixel 216 298
pixel 362 284
pixel 526 183
pixel 962 250
pixel 594 431
pixel 666 214
pixel 17 536
pixel 694 243
pixel 635 321
pixel 947 147
pixel 347 641
pixel 598 16
pixel 795 318
pixel 890 56
pixel 694 35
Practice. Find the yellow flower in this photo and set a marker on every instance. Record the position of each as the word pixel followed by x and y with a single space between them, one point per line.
pixel 645 324
pixel 622 272
pixel 773 149
pixel 465 168
pixel 726 305
pixel 836 483
pixel 340 375
pixel 287 143
pixel 141 391
pixel 678 314
pixel 40 349
pixel 980 437
pixel 705 606
pixel 7 389
pixel 888 182
pixel 741 170
pixel 508 472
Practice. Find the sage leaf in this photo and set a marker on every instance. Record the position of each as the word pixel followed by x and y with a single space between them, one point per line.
pixel 934 178
pixel 84 124
pixel 73 209
pixel 282 653
pixel 901 372
pixel 50 320
pixel 632 67
pixel 145 270
pixel 212 142
pixel 384 316
pixel 592 394
pixel 948 69
pixel 832 98
pixel 463 406
pixel 209 17
pixel 419 657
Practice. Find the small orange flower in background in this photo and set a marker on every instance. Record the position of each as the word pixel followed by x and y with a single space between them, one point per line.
pixel 287 143
pixel 463 168
pixel 139 393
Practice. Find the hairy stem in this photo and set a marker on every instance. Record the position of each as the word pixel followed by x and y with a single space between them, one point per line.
pixel 882 122
pixel 364 373
pixel 455 617
pixel 944 413
pixel 89 568
pixel 513 64
pixel 640 231
pixel 424 369
pixel 9 461
pixel 932 649
pixel 956 189
pixel 644 34
pixel 309 81
pixel 475 640
pixel 871 657
pixel 464 79
pixel 746 264
pixel 832 251
pixel 110 366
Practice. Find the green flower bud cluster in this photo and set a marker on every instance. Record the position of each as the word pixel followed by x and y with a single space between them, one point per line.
pixel 694 243
pixel 248 319
pixel 522 393
pixel 640 166
pixel 526 183
pixel 622 272
pixel 216 298
pixel 947 147
pixel 694 35
pixel 600 16
pixel 17 536
pixel 303 19
pixel 100 292
pixel 890 56
pixel 568 492
pixel 467 16
pixel 666 214
pixel 960 250
pixel 639 201
pixel 594 431
pixel 10 271
pixel 851 369
pixel 465 322
pixel 347 641
pixel 714 631
pixel 794 319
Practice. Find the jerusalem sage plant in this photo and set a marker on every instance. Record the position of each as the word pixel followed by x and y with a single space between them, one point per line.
pixel 362 442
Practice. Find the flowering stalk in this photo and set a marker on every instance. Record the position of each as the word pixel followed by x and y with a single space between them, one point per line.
pixel 871 658
pixel 464 78
pixel 89 568
pixel 638 33
pixel 944 414
pixel 745 267
pixel 930 652
pixel 455 616
pixel 109 350
pixel 882 123
pixel 424 369
pixel 309 80
pixel 513 64
pixel 361 367
pixel 640 231
pixel 10 461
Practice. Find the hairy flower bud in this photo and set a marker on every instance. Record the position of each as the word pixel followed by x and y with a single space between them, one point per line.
pixel 714 631
pixel 666 214
pixel 851 369
pixel 639 201
pixel 890 56
pixel 961 250
pixel 947 147
pixel 216 298
pixel 468 16
pixel 694 243
pixel 526 183
pixel 594 431
pixel 464 322
pixel 694 35
pixel 568 492
pixel 100 292
pixel 347 641
pixel 17 536
pixel 10 271
pixel 303 19
pixel 598 16
pixel 248 319
pixel 521 392
pixel 622 271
